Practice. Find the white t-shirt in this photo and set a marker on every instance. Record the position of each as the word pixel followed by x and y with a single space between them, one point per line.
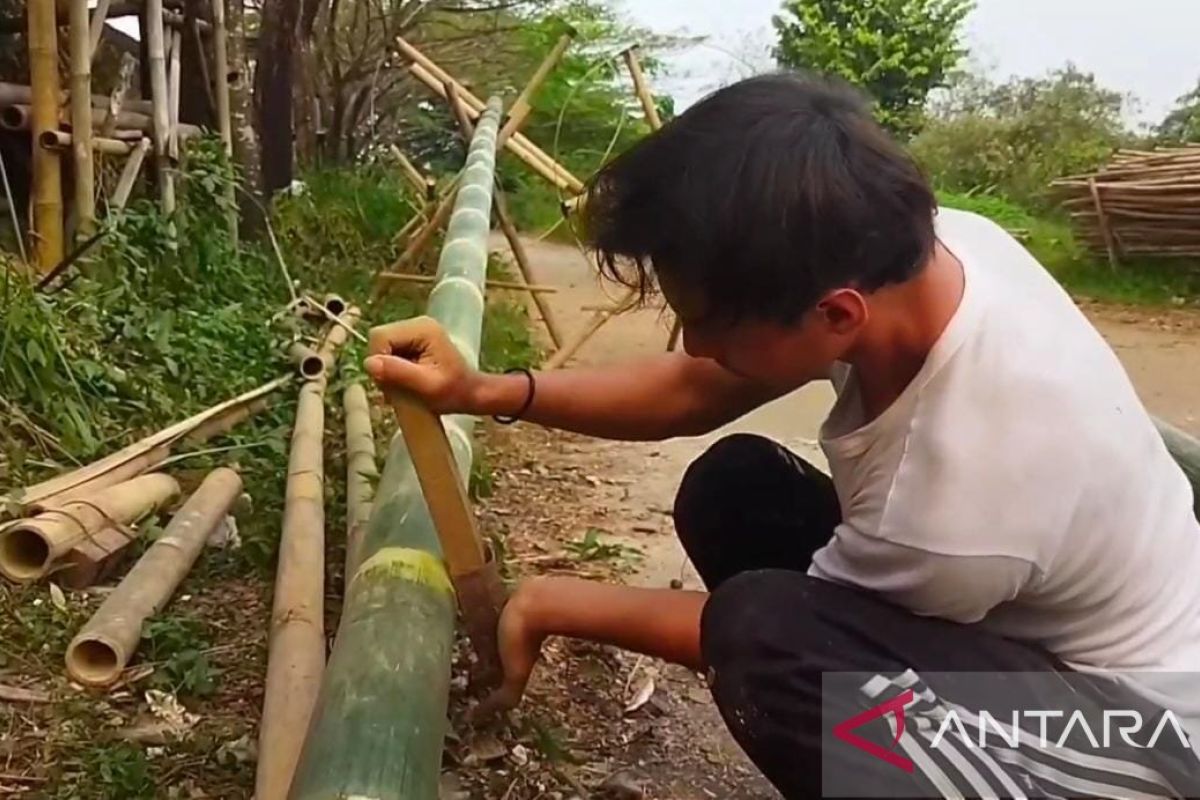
pixel 1019 482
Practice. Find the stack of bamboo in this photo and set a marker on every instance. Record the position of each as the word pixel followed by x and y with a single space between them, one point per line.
pixel 1142 203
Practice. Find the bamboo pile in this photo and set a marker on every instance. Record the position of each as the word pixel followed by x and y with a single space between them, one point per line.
pixel 1143 203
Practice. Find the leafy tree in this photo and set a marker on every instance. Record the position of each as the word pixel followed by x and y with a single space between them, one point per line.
pixel 1183 123
pixel 896 50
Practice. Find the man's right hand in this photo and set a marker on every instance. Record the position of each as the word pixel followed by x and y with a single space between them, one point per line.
pixel 417 356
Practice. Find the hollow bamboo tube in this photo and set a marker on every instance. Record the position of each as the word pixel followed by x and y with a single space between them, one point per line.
pixel 522 258
pixel 96 27
pixel 642 88
pixel 174 77
pixel 523 105
pixel 133 166
pixel 161 129
pixel 334 304
pixel 19 117
pixel 532 288
pixel 308 362
pixel 29 548
pixel 296 650
pixel 47 169
pixel 224 118
pixel 81 119
pixel 20 94
pixel 380 720
pixel 60 140
pixel 361 471
pixel 103 647
pixel 336 336
pixel 99 470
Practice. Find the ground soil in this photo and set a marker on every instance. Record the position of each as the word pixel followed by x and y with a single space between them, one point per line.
pixel 552 488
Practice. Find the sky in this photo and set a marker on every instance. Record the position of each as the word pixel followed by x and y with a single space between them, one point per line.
pixel 1147 47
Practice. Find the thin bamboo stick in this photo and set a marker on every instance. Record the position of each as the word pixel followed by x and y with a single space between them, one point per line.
pixel 47 169
pixel 414 175
pixel 224 118
pixel 103 647
pixel 642 88
pixel 158 91
pixel 174 78
pixel 133 166
pixel 81 120
pixel 532 288
pixel 523 265
pixel 362 472
pixel 29 548
pixel 563 355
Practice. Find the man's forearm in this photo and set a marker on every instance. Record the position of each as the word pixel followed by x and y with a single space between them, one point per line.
pixel 650 399
pixel 663 623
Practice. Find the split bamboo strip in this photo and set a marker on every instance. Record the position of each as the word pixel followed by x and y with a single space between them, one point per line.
pixel 296 648
pixel 133 166
pixel 102 649
pixel 81 120
pixel 224 118
pixel 362 472
pixel 380 720
pixel 158 92
pixel 532 288
pixel 47 168
pixel 29 548
pixel 59 140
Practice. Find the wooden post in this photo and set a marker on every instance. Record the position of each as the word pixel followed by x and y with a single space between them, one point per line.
pixel 47 169
pixel 224 120
pixel 81 120
pixel 155 41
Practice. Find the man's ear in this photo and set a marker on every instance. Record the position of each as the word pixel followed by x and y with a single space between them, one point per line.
pixel 843 310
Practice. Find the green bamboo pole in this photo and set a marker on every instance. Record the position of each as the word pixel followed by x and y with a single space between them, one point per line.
pixel 380 718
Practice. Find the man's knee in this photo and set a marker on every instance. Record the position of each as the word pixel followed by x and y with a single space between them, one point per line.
pixel 712 478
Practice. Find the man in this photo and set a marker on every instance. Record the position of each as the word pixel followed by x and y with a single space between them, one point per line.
pixel 1000 500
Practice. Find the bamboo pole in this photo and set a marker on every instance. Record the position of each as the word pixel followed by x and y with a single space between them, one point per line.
pixel 414 175
pixel 380 719
pixel 309 363
pixel 224 118
pixel 404 277
pixel 47 168
pixel 29 547
pixel 523 105
pixel 19 117
pixel 174 77
pixel 642 88
pixel 60 140
pixel 96 29
pixel 133 166
pixel 81 120
pixel 526 269
pixel 20 94
pixel 361 472
pixel 296 649
pixel 103 647
pixel 158 92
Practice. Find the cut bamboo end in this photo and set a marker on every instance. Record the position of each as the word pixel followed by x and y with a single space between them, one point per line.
pixel 308 362
pixel 25 552
pixel 95 661
pixel 335 305
pixel 15 118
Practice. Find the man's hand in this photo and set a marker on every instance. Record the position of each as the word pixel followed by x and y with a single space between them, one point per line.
pixel 417 356
pixel 520 643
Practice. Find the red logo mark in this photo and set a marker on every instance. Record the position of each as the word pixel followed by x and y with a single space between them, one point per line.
pixel 896 706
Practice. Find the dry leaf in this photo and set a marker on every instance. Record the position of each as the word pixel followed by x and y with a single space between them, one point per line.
pixel 58 598
pixel 642 695
pixel 167 708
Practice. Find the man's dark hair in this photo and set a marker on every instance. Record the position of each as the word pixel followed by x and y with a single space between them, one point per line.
pixel 762 197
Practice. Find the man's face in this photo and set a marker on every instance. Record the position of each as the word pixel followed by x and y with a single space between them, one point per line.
pixel 782 356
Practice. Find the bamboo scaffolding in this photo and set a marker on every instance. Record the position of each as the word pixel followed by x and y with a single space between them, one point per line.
pixel 47 169
pixel 155 43
pixel 103 647
pixel 224 118
pixel 29 548
pixel 1142 203
pixel 380 720
pixel 81 120
pixel 361 472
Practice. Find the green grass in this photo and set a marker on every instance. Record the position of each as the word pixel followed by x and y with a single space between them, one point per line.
pixel 1140 281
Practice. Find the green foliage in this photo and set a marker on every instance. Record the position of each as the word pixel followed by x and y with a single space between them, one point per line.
pixel 1016 137
pixel 896 50
pixel 592 548
pixel 117 771
pixel 176 645
pixel 1182 124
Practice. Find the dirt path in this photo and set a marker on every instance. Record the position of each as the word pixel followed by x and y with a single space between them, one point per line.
pixel 555 488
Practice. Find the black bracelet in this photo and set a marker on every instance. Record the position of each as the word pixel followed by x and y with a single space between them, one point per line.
pixel 504 419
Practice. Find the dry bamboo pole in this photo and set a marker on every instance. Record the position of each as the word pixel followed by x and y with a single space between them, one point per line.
pixel 19 117
pixel 20 94
pixel 561 356
pixel 380 720
pixel 414 175
pixel 362 472
pixel 174 77
pixel 60 140
pixel 47 168
pixel 642 88
pixel 103 647
pixel 500 206
pixel 96 28
pixel 81 120
pixel 133 166
pixel 126 472
pixel 309 363
pixel 523 106
pixel 29 547
pixel 92 474
pixel 224 118
pixel 517 286
pixel 158 92
pixel 296 650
